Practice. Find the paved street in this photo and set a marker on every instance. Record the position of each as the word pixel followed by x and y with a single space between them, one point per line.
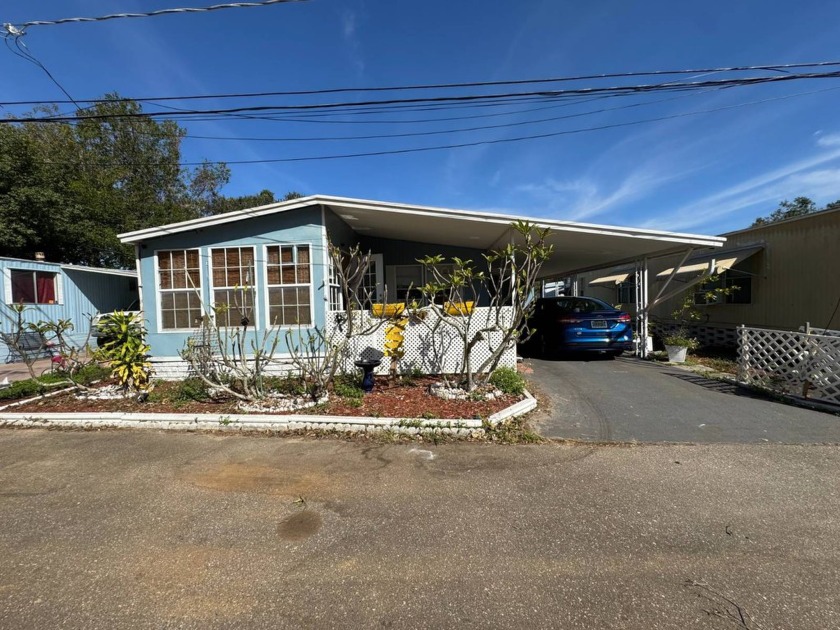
pixel 143 529
pixel 631 400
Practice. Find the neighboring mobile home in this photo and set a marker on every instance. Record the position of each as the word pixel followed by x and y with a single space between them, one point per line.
pixel 787 275
pixel 281 250
pixel 52 291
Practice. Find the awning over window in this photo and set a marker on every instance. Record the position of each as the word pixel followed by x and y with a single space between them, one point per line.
pixel 616 279
pixel 713 262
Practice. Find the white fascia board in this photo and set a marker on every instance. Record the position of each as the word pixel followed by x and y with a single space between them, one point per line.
pixel 195 224
pixel 349 204
pixel 114 272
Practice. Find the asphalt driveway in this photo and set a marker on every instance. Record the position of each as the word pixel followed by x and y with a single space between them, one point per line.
pixel 144 529
pixel 627 399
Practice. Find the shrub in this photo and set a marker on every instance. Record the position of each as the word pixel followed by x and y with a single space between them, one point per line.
pixel 681 338
pixel 289 385
pixel 191 389
pixel 87 374
pixel 347 387
pixel 126 350
pixel 22 389
pixel 508 380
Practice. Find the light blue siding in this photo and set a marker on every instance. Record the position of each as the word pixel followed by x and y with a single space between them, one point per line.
pixel 303 226
pixel 309 225
pixel 83 294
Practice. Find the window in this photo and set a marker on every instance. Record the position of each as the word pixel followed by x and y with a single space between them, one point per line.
pixel 289 279
pixel 743 293
pixel 33 287
pixel 627 293
pixel 179 285
pixel 336 296
pixel 407 282
pixel 233 285
pixel 729 279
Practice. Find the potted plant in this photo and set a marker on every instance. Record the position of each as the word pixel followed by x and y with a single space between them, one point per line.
pixel 678 343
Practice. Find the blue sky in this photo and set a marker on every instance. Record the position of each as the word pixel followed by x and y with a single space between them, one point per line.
pixel 706 173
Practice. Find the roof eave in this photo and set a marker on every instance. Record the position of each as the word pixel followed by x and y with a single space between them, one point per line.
pixel 463 215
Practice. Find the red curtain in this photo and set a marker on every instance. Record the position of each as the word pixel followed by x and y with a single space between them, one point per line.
pixel 45 283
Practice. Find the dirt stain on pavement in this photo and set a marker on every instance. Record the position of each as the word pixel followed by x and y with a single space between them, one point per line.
pixel 299 526
pixel 188 582
pixel 237 477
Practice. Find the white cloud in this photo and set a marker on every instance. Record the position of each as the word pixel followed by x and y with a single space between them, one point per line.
pixel 349 27
pixel 809 176
pixel 348 21
pixel 830 140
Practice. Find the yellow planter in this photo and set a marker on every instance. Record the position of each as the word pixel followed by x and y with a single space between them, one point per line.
pixel 387 310
pixel 458 308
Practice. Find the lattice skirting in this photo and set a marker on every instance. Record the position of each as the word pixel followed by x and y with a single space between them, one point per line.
pixel 176 369
pixel 790 362
pixel 708 336
pixel 428 345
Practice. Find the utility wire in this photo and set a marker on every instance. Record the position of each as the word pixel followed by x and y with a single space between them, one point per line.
pixel 438 86
pixel 437 132
pixel 21 28
pixel 24 53
pixel 632 89
pixel 480 142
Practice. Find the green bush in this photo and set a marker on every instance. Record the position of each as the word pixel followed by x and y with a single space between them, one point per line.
pixel 508 380
pixel 89 373
pixel 347 387
pixel 126 349
pixel 191 389
pixel 48 382
pixel 22 389
pixel 288 385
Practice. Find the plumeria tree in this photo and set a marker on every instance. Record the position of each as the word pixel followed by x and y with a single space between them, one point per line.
pixel 506 281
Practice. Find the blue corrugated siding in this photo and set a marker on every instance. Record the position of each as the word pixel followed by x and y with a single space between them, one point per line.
pixel 84 293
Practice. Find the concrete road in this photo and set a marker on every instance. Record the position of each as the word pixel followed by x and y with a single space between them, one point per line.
pixel 161 530
pixel 631 400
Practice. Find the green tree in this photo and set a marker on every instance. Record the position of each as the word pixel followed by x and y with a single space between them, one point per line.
pixel 800 206
pixel 222 204
pixel 69 189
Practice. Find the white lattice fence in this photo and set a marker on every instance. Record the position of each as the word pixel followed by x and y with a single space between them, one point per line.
pixel 708 336
pixel 430 346
pixel 790 362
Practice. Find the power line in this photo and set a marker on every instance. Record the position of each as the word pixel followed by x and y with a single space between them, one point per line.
pixel 480 142
pixel 24 53
pixel 632 89
pixel 438 86
pixel 21 28
pixel 441 131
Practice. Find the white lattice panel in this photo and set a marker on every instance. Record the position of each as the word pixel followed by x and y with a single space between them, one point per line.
pixel 708 336
pixel 790 362
pixel 431 346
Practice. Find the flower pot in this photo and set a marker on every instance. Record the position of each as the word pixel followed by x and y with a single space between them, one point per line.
pixel 387 310
pixel 458 308
pixel 676 354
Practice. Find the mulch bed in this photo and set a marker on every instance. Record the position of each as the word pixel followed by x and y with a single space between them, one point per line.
pixel 393 399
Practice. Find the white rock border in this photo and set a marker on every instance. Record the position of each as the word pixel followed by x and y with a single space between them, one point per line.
pixel 261 422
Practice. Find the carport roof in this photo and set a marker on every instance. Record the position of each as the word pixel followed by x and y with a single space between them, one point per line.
pixel 576 245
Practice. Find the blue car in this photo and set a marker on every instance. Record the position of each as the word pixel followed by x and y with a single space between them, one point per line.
pixel 579 324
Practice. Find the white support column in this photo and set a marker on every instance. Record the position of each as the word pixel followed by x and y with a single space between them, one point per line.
pixel 644 332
